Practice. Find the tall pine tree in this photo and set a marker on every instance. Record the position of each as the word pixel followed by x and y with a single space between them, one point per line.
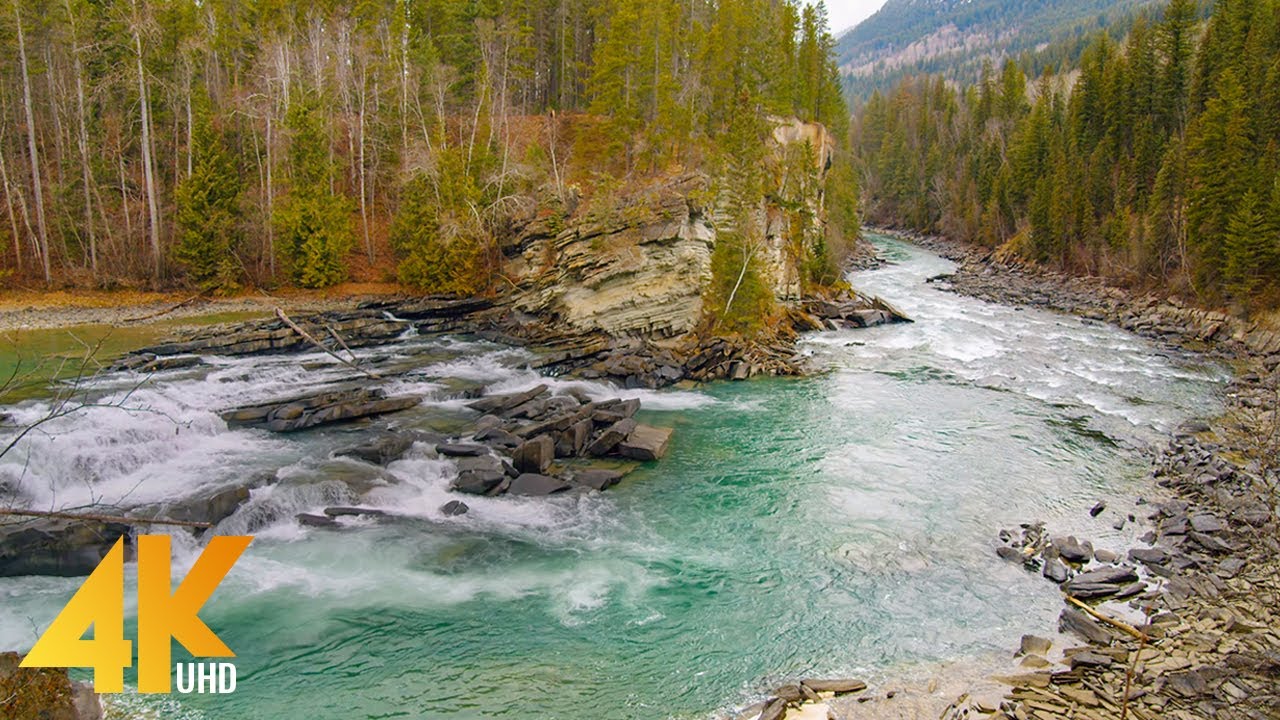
pixel 313 222
pixel 208 211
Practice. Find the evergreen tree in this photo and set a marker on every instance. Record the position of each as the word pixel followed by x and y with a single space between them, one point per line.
pixel 313 222
pixel 442 245
pixel 1219 150
pixel 1142 173
pixel 739 300
pixel 1176 41
pixel 1013 93
pixel 208 212
pixel 1248 248
pixel 1165 248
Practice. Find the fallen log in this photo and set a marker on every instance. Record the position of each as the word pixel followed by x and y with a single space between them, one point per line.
pixel 320 346
pixel 1118 624
pixel 10 512
pixel 169 309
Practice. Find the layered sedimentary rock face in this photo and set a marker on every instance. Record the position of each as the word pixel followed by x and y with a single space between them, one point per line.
pixel 639 263
pixel 640 268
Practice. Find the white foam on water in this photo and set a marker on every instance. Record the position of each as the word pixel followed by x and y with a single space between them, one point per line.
pixel 658 400
pixel 1038 353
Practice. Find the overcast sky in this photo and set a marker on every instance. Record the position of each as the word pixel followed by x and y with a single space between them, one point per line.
pixel 847 13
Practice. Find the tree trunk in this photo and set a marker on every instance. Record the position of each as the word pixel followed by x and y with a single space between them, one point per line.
pixel 55 115
pixel 271 243
pixel 404 87
pixel 364 210
pixel 33 151
pixel 124 199
pixel 82 143
pixel 148 166
pixel 13 218
pixel 190 128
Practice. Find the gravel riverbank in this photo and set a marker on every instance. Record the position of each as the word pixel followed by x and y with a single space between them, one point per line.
pixel 57 310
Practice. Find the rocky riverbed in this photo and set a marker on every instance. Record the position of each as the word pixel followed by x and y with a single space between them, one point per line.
pixel 1185 624
pixel 510 447
pixel 345 519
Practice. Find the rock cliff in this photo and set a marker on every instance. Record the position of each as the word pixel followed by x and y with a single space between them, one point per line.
pixel 641 264
pixel 638 269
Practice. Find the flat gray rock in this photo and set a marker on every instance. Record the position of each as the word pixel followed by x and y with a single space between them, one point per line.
pixel 645 442
pixel 532 484
pixel 309 520
pixel 500 403
pixel 1150 556
pixel 1115 574
pixel 598 479
pixel 839 686
pixel 462 449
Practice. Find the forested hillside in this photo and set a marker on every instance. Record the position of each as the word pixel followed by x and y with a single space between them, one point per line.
pixel 955 37
pixel 221 143
pixel 1160 164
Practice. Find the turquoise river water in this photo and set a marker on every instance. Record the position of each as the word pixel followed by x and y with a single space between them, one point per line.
pixel 839 524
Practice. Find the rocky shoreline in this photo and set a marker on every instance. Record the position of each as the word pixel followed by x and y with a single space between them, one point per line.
pixel 629 360
pixel 1185 625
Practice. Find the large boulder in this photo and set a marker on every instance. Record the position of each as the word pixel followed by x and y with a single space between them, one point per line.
pixel 209 505
pixel 63 548
pixel 534 456
pixel 645 442
pixel 611 436
pixel 478 482
pixel 573 442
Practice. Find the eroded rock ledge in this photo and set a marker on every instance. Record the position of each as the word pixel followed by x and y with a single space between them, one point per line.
pixel 632 361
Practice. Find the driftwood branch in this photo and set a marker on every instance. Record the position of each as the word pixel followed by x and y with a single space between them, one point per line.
pixel 307 336
pixel 169 309
pixel 102 518
pixel 1135 632
pixel 334 334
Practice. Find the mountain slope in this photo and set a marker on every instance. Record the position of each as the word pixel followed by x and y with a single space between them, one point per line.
pixel 954 37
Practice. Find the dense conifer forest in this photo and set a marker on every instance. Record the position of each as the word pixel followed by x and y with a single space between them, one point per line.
pixel 952 38
pixel 1157 161
pixel 265 142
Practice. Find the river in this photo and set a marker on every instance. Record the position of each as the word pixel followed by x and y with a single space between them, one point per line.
pixel 840 524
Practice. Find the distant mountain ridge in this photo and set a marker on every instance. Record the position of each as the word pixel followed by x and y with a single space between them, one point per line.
pixel 954 37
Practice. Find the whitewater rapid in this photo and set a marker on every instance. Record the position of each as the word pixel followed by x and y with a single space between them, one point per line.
pixel 829 525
